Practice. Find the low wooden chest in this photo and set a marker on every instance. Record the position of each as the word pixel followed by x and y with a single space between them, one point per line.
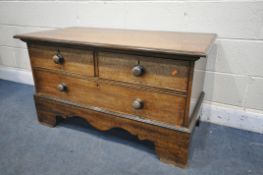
pixel 149 83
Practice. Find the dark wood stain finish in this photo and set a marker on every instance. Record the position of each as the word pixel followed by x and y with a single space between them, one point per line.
pixel 170 145
pixel 182 43
pixel 157 105
pixel 162 73
pixel 76 61
pixel 144 82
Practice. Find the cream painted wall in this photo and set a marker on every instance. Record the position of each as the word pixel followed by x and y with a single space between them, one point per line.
pixel 234 77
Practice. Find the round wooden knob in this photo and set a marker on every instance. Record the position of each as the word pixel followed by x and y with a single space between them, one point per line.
pixel 138 70
pixel 58 59
pixel 137 104
pixel 62 87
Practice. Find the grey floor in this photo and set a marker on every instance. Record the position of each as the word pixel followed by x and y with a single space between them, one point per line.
pixel 74 147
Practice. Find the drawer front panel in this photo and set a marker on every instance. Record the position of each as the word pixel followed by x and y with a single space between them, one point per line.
pixel 156 106
pixel 76 61
pixel 156 72
pixel 162 107
pixel 77 90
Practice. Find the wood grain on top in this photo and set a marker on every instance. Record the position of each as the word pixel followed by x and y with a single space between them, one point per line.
pixel 196 44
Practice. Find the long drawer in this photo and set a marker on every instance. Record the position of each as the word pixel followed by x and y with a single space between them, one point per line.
pixel 71 60
pixel 159 106
pixel 149 71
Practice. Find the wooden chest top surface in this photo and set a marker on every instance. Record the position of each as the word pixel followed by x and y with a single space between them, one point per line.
pixel 182 43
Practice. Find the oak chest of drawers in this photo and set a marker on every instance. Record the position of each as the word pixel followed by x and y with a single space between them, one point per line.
pixel 147 82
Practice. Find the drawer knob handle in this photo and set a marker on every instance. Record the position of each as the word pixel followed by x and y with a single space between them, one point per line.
pixel 137 104
pixel 138 70
pixel 62 87
pixel 58 59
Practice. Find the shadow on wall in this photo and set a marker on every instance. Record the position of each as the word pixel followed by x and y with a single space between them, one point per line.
pixel 210 76
pixel 222 87
pixel 209 84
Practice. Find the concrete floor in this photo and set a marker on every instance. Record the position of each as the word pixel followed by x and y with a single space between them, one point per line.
pixel 74 147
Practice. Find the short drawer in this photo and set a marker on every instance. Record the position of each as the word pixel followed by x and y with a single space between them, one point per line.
pixel 149 71
pixel 158 106
pixel 71 60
